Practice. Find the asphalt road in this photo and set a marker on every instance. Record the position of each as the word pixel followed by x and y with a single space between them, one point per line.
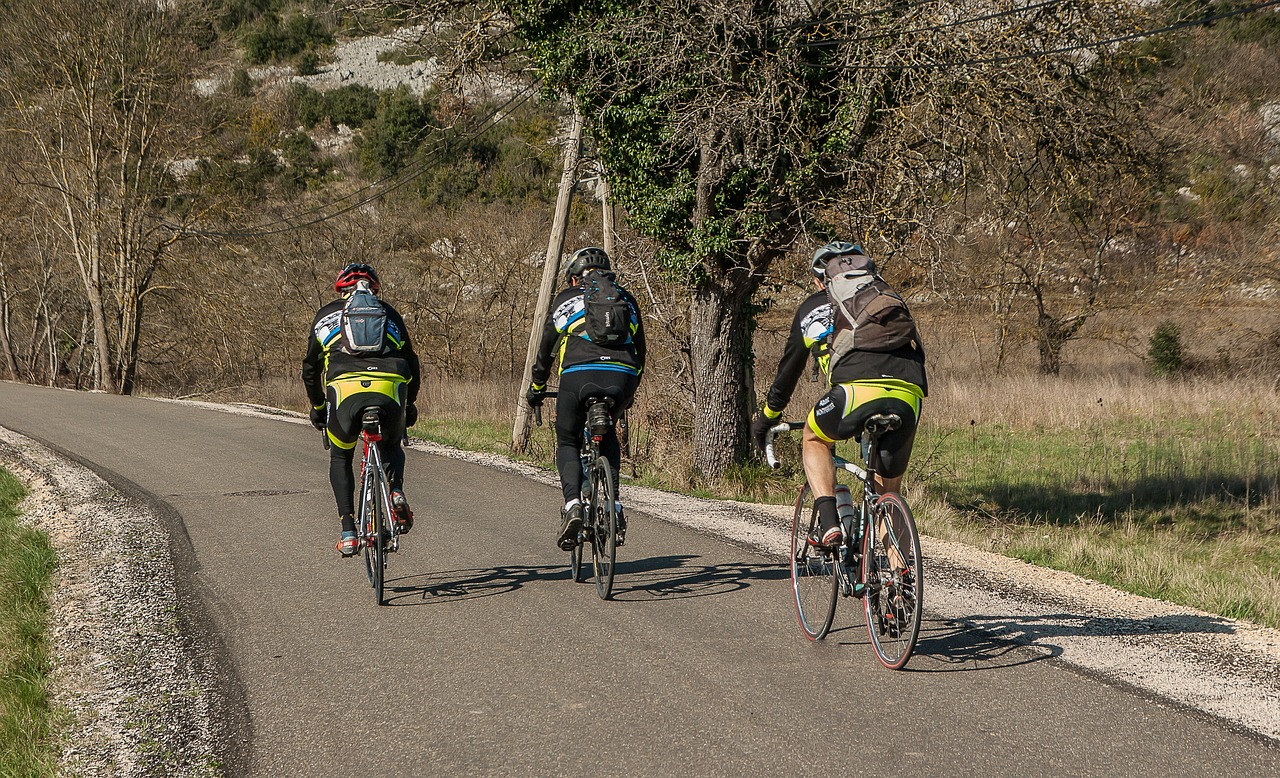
pixel 490 661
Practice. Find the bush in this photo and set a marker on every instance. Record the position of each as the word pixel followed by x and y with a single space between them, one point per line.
pixel 1165 349
pixel 308 63
pixel 241 85
pixel 352 105
pixel 272 41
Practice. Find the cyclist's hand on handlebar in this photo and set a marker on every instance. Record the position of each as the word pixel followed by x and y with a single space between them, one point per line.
pixel 318 418
pixel 534 396
pixel 759 426
pixel 410 415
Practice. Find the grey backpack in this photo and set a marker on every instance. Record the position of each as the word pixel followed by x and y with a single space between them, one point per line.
pixel 867 315
pixel 363 322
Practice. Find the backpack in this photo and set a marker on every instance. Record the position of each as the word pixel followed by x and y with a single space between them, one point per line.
pixel 607 314
pixel 363 322
pixel 867 315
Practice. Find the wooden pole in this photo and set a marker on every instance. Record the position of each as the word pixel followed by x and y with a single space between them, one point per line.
pixel 550 268
pixel 607 201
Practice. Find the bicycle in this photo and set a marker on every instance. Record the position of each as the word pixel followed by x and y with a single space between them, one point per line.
pixel 376 531
pixel 600 526
pixel 879 560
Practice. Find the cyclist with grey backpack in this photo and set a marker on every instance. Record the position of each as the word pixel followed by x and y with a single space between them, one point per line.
pixel 359 355
pixel 871 350
pixel 602 348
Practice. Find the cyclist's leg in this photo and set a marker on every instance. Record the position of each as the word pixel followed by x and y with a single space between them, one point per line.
pixel 570 416
pixel 820 435
pixel 342 430
pixel 895 445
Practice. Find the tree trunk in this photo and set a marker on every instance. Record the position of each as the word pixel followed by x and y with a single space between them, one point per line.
pixel 720 348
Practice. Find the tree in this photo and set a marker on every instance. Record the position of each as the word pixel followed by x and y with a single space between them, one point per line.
pixel 96 91
pixel 731 130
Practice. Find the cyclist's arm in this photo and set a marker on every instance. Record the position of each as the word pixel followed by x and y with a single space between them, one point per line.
pixel 795 355
pixel 546 353
pixel 313 371
pixel 637 338
pixel 407 353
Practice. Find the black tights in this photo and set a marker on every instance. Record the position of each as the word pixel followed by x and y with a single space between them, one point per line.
pixel 571 412
pixel 343 480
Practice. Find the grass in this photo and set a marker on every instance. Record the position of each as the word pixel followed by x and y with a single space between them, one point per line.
pixel 27 723
pixel 1168 489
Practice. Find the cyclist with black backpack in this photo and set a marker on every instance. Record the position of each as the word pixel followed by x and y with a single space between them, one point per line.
pixel 864 337
pixel 358 356
pixel 597 324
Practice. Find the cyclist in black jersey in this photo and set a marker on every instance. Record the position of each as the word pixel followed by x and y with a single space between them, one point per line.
pixel 587 369
pixel 340 385
pixel 863 383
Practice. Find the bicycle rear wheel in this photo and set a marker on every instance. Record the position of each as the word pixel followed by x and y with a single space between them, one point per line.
pixel 892 568
pixel 813 574
pixel 604 526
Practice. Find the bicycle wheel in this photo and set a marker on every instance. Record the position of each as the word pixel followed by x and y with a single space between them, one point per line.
pixel 813 574
pixel 604 526
pixel 375 522
pixel 892 568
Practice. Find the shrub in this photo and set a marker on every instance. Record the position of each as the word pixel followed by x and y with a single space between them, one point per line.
pixel 272 41
pixel 241 85
pixel 1165 349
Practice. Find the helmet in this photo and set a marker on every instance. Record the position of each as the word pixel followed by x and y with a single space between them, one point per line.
pixel 835 248
pixel 354 272
pixel 586 259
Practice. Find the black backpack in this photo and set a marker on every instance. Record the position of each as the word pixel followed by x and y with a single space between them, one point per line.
pixel 607 314
pixel 363 323
pixel 866 314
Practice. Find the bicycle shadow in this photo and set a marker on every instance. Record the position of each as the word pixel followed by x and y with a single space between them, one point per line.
pixel 677 577
pixel 976 643
pixel 952 646
pixel 447 586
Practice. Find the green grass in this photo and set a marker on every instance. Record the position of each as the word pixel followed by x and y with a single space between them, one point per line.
pixel 1185 510
pixel 27 723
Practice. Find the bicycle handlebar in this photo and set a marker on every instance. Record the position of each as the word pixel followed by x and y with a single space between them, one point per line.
pixel 537 409
pixel 782 426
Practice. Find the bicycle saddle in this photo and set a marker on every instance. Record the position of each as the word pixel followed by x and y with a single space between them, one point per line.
pixel 371 417
pixel 883 422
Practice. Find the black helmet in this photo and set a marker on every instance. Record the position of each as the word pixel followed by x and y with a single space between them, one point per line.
pixel 353 273
pixel 835 248
pixel 586 259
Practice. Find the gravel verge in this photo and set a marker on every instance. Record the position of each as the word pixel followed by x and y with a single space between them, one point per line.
pixel 137 681
pixel 142 690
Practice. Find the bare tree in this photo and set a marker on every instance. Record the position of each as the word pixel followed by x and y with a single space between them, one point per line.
pixel 95 91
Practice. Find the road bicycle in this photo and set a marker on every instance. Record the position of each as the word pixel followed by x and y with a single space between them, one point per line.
pixel 376 530
pixel 600 525
pixel 879 560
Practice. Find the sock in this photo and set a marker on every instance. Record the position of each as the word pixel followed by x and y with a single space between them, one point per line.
pixel 348 522
pixel 827 516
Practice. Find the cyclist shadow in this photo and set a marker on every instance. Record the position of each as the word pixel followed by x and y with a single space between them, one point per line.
pixel 976 643
pixel 678 576
pixel 447 586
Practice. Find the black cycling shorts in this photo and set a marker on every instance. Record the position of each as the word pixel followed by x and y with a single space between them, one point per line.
pixel 842 412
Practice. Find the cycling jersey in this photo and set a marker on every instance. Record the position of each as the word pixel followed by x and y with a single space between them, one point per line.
pixel 808 336
pixel 325 362
pixel 567 324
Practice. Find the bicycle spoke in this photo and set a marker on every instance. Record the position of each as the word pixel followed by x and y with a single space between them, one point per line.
pixel 893 569
pixel 814 582
pixel 603 520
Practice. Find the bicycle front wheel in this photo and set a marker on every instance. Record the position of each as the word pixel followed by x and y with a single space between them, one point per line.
pixel 374 518
pixel 892 569
pixel 604 526
pixel 813 573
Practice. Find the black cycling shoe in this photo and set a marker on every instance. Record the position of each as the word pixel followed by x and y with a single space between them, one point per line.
pixel 570 526
pixel 622 529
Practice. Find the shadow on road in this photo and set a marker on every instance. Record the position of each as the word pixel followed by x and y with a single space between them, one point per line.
pixel 640 580
pixel 678 577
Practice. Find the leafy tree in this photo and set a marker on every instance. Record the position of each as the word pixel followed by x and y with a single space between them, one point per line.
pixel 732 131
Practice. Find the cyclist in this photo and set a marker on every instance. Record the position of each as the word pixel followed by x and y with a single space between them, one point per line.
pixel 340 385
pixel 587 369
pixel 863 383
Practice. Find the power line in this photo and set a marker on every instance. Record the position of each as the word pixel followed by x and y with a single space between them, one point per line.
pixel 1061 50
pixel 850 17
pixel 411 172
pixel 932 28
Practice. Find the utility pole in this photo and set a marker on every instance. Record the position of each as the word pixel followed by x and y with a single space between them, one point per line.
pixel 550 268
pixel 606 199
